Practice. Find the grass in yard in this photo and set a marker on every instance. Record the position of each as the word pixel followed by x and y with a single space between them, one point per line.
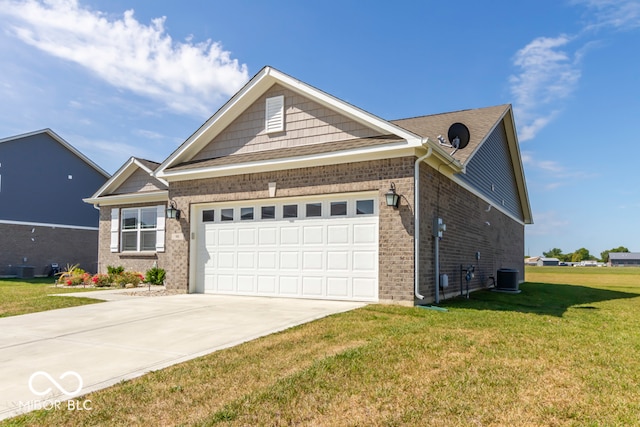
pixel 565 351
pixel 21 297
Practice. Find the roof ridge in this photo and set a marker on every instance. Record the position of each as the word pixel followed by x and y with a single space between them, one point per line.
pixel 450 112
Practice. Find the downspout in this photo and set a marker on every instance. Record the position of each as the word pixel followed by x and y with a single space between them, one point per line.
pixel 416 222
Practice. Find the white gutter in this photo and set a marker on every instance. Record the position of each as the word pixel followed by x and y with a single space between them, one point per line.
pixel 416 222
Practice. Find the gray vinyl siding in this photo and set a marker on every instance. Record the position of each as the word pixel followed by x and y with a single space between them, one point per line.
pixel 36 187
pixel 491 173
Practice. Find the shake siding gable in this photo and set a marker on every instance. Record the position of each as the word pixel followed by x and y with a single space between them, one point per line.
pixel 491 173
pixel 307 123
pixel 140 181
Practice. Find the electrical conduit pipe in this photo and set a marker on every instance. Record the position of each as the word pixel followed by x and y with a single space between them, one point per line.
pixel 416 222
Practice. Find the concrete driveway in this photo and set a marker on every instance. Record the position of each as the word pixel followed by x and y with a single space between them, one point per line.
pixel 82 349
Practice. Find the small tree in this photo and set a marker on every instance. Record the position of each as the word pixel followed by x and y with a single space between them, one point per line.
pixel 556 253
pixel 581 254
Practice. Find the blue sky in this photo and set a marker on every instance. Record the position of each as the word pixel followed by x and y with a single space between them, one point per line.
pixel 118 78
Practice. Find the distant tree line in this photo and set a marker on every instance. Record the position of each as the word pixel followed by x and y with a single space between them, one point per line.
pixel 581 254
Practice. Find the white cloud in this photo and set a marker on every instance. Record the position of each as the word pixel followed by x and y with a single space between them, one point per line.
pixel 549 71
pixel 547 75
pixel 187 77
pixel 547 223
pixel 148 134
pixel 618 14
pixel 552 174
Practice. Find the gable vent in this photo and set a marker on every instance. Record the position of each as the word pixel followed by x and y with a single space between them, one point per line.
pixel 275 114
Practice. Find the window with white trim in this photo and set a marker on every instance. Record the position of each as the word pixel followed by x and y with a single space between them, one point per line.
pixel 138 229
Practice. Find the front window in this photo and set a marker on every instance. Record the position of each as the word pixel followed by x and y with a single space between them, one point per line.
pixel 139 226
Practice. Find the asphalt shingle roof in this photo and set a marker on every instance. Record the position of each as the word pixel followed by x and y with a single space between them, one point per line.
pixel 480 122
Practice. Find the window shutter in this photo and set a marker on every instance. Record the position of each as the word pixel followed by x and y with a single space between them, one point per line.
pixel 275 114
pixel 115 229
pixel 160 226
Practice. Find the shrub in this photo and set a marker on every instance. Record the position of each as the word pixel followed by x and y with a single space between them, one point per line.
pixel 72 276
pixel 155 276
pixel 128 277
pixel 114 272
pixel 101 280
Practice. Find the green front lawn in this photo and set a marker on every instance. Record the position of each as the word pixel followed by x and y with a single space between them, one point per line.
pixel 563 352
pixel 19 296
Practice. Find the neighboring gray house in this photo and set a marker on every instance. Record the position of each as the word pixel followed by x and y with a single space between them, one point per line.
pixel 288 191
pixel 548 262
pixel 624 259
pixel 43 219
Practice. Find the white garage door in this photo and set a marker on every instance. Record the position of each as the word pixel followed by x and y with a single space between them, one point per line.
pixel 325 248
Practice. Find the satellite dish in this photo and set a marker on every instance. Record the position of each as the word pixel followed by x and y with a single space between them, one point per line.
pixel 458 135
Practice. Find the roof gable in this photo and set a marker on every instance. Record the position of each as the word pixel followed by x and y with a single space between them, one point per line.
pixel 134 181
pixel 307 123
pixel 480 121
pixel 492 138
pixel 255 90
pixel 54 136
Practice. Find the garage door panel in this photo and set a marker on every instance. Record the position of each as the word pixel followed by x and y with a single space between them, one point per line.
pixel 246 260
pixel 312 286
pixel 267 236
pixel 208 259
pixel 288 285
pixel 290 235
pixel 365 233
pixel 246 284
pixel 312 260
pixel 210 238
pixel 289 260
pixel 337 234
pixel 364 261
pixel 227 237
pixel 267 260
pixel 338 261
pixel 337 287
pixel 312 235
pixel 267 285
pixel 246 237
pixel 225 283
pixel 226 259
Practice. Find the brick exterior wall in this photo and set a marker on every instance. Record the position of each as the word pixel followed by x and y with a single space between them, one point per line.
pixel 49 245
pixel 129 260
pixel 396 226
pixel 470 229
pixel 501 243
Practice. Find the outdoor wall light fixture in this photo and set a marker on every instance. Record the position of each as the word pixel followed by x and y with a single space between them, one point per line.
pixel 172 211
pixel 392 197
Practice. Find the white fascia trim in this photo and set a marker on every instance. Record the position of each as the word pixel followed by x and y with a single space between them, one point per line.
pixel 126 199
pixel 321 159
pixel 46 224
pixel 493 204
